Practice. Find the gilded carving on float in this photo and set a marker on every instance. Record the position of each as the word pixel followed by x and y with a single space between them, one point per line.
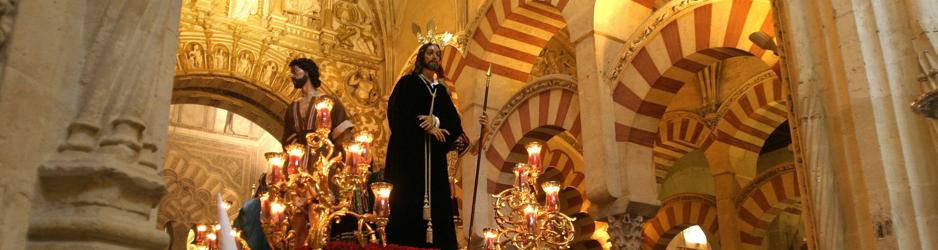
pixel 250 42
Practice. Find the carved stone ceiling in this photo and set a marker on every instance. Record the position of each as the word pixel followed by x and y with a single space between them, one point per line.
pixel 557 57
pixel 252 41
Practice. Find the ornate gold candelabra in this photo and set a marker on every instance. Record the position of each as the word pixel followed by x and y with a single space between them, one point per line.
pixel 207 237
pixel 303 199
pixel 521 220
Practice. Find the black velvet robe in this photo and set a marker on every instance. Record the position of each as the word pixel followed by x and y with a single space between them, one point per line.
pixel 405 165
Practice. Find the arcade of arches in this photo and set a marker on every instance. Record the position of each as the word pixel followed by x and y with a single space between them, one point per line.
pixel 673 124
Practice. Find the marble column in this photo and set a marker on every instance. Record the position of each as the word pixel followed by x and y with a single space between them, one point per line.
pixel 858 65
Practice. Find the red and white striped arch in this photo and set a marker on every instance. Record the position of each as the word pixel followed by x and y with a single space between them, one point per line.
pixel 748 120
pixel 751 118
pixel 679 213
pixel 707 34
pixel 508 36
pixel 539 117
pixel 767 196
pixel 570 167
pixel 679 133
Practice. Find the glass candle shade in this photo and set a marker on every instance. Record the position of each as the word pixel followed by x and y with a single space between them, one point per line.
pixel 382 192
pixel 323 116
pixel 551 195
pixel 534 155
pixel 275 160
pixel 490 239
pixel 365 139
pixel 530 218
pixel 295 154
pixel 354 158
pixel 521 175
pixel 276 212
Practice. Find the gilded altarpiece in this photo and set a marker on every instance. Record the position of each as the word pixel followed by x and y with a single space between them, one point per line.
pixel 234 55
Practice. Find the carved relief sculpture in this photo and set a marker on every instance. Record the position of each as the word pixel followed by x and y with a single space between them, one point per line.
pixel 220 58
pixel 195 56
pixel 351 20
pixel 302 12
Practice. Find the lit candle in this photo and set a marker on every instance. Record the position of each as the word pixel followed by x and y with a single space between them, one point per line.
pixel 295 152
pixel 521 175
pixel 275 159
pixel 382 192
pixel 354 157
pixel 551 191
pixel 365 139
pixel 211 239
pixel 276 212
pixel 534 156
pixel 530 218
pixel 323 118
pixel 490 239
pixel 200 233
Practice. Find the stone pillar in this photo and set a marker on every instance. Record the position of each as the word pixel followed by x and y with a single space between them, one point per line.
pixel 625 231
pixel 859 65
pixel 85 93
pixel 727 212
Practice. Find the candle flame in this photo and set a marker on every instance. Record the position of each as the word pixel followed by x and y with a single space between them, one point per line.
pixel 551 187
pixel 530 209
pixel 355 148
pixel 325 104
pixel 295 149
pixel 382 189
pixel 277 207
pixel 200 228
pixel 490 234
pixel 364 137
pixel 274 158
pixel 534 148
pixel 212 236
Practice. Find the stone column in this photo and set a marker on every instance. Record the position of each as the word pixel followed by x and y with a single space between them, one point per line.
pixel 600 155
pixel 727 212
pixel 859 65
pixel 625 231
pixel 86 94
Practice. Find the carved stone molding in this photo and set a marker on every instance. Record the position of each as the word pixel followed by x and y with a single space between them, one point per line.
pixel 643 35
pixel 625 231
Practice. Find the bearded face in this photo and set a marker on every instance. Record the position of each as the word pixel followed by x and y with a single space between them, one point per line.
pixel 431 57
pixel 299 77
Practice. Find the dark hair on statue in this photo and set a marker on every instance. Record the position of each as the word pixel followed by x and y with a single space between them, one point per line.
pixel 312 71
pixel 420 64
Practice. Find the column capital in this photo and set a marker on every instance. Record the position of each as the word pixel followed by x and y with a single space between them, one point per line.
pixel 626 229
